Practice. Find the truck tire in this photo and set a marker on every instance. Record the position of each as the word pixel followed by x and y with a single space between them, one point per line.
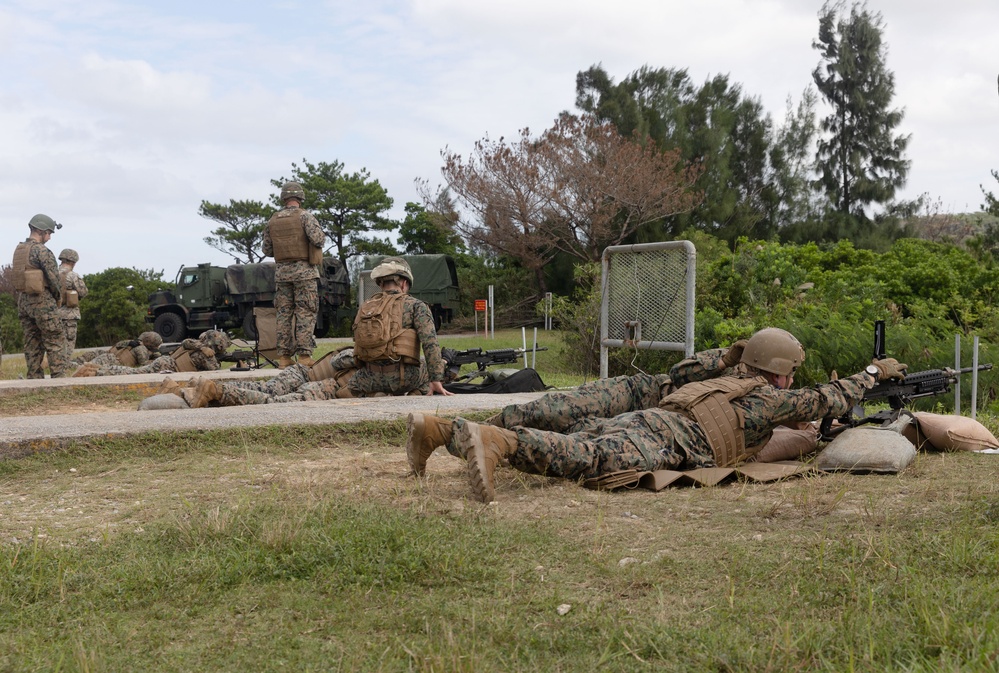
pixel 321 330
pixel 249 326
pixel 170 326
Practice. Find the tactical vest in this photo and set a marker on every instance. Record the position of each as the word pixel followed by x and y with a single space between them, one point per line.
pixel 709 404
pixel 288 236
pixel 70 297
pixel 20 264
pixel 182 357
pixel 378 332
pixel 125 356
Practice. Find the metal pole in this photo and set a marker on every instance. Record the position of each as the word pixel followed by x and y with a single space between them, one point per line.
pixel 492 311
pixel 974 379
pixel 957 366
pixel 534 349
pixel 523 344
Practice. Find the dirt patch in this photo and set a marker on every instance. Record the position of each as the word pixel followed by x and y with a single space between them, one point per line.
pixel 88 501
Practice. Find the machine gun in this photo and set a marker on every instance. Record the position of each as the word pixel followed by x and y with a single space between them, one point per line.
pixel 454 359
pixel 899 394
pixel 244 359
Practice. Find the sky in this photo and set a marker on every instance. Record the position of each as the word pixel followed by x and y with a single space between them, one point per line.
pixel 119 118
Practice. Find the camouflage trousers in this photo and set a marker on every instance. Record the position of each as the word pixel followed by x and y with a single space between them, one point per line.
pixel 604 398
pixel 296 305
pixel 641 440
pixel 69 327
pixel 414 379
pixel 163 363
pixel 290 385
pixel 44 334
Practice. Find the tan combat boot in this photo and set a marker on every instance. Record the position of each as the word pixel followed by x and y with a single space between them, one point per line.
pixel 306 360
pixel 204 391
pixel 484 447
pixel 89 369
pixel 169 386
pixel 284 362
pixel 425 433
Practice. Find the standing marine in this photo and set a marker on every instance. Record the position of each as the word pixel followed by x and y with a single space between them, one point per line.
pixel 295 240
pixel 73 290
pixel 36 278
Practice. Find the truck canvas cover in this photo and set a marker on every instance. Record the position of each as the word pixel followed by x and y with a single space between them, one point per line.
pixel 250 278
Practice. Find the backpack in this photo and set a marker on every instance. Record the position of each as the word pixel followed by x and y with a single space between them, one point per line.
pixel 524 381
pixel 379 334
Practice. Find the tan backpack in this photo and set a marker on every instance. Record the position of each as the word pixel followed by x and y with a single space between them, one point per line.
pixel 379 334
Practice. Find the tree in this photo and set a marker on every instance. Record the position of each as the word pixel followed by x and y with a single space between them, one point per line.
pixel 242 233
pixel 861 158
pixel 346 206
pixel 716 127
pixel 427 232
pixel 116 305
pixel 578 188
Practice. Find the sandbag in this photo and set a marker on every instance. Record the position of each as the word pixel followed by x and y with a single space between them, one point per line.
pixel 789 444
pixel 163 401
pixel 866 449
pixel 946 432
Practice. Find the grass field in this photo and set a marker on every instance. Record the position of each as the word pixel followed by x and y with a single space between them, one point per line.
pixel 311 549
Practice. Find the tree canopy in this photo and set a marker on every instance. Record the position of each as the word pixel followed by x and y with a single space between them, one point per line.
pixel 242 231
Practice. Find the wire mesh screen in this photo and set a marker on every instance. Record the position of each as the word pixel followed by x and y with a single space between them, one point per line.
pixel 366 288
pixel 648 298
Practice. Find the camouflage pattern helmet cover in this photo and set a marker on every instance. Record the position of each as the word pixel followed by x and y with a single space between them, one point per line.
pixel 43 223
pixel 151 340
pixel 392 266
pixel 69 255
pixel 216 340
pixel 292 190
pixel 773 350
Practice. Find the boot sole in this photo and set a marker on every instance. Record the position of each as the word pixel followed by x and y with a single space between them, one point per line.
pixel 415 429
pixel 470 440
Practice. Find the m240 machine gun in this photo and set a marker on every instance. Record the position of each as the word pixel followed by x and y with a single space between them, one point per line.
pixel 899 394
pixel 454 359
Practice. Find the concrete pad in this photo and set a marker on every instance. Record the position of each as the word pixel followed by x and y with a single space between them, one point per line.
pixel 25 435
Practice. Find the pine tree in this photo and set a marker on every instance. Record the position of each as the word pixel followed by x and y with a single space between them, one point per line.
pixel 861 158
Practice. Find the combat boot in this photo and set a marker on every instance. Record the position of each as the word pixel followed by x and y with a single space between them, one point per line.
pixel 484 447
pixel 89 369
pixel 204 391
pixel 284 362
pixel 169 386
pixel 306 360
pixel 425 433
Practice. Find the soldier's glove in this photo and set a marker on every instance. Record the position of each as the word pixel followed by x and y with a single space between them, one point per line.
pixel 133 343
pixel 889 368
pixel 207 352
pixel 733 355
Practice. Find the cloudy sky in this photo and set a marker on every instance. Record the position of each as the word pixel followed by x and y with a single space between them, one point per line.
pixel 118 118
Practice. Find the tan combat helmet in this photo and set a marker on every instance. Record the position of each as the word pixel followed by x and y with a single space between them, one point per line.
pixel 69 255
pixel 216 340
pixel 151 340
pixel 392 266
pixel 292 190
pixel 773 350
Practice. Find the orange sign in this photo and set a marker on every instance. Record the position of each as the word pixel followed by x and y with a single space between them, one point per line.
pixel 480 304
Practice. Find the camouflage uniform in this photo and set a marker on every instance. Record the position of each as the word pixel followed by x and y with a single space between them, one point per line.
pixel 606 398
pixel 40 319
pixel 71 280
pixel 414 378
pixel 109 357
pixel 656 439
pixel 202 351
pixel 292 384
pixel 296 295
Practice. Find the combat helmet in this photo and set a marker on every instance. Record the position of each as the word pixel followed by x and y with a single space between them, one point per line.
pixel 43 223
pixel 392 266
pixel 216 340
pixel 773 350
pixel 292 190
pixel 69 255
pixel 151 340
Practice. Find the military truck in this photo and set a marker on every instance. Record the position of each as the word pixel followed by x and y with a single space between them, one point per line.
pixel 435 281
pixel 215 297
